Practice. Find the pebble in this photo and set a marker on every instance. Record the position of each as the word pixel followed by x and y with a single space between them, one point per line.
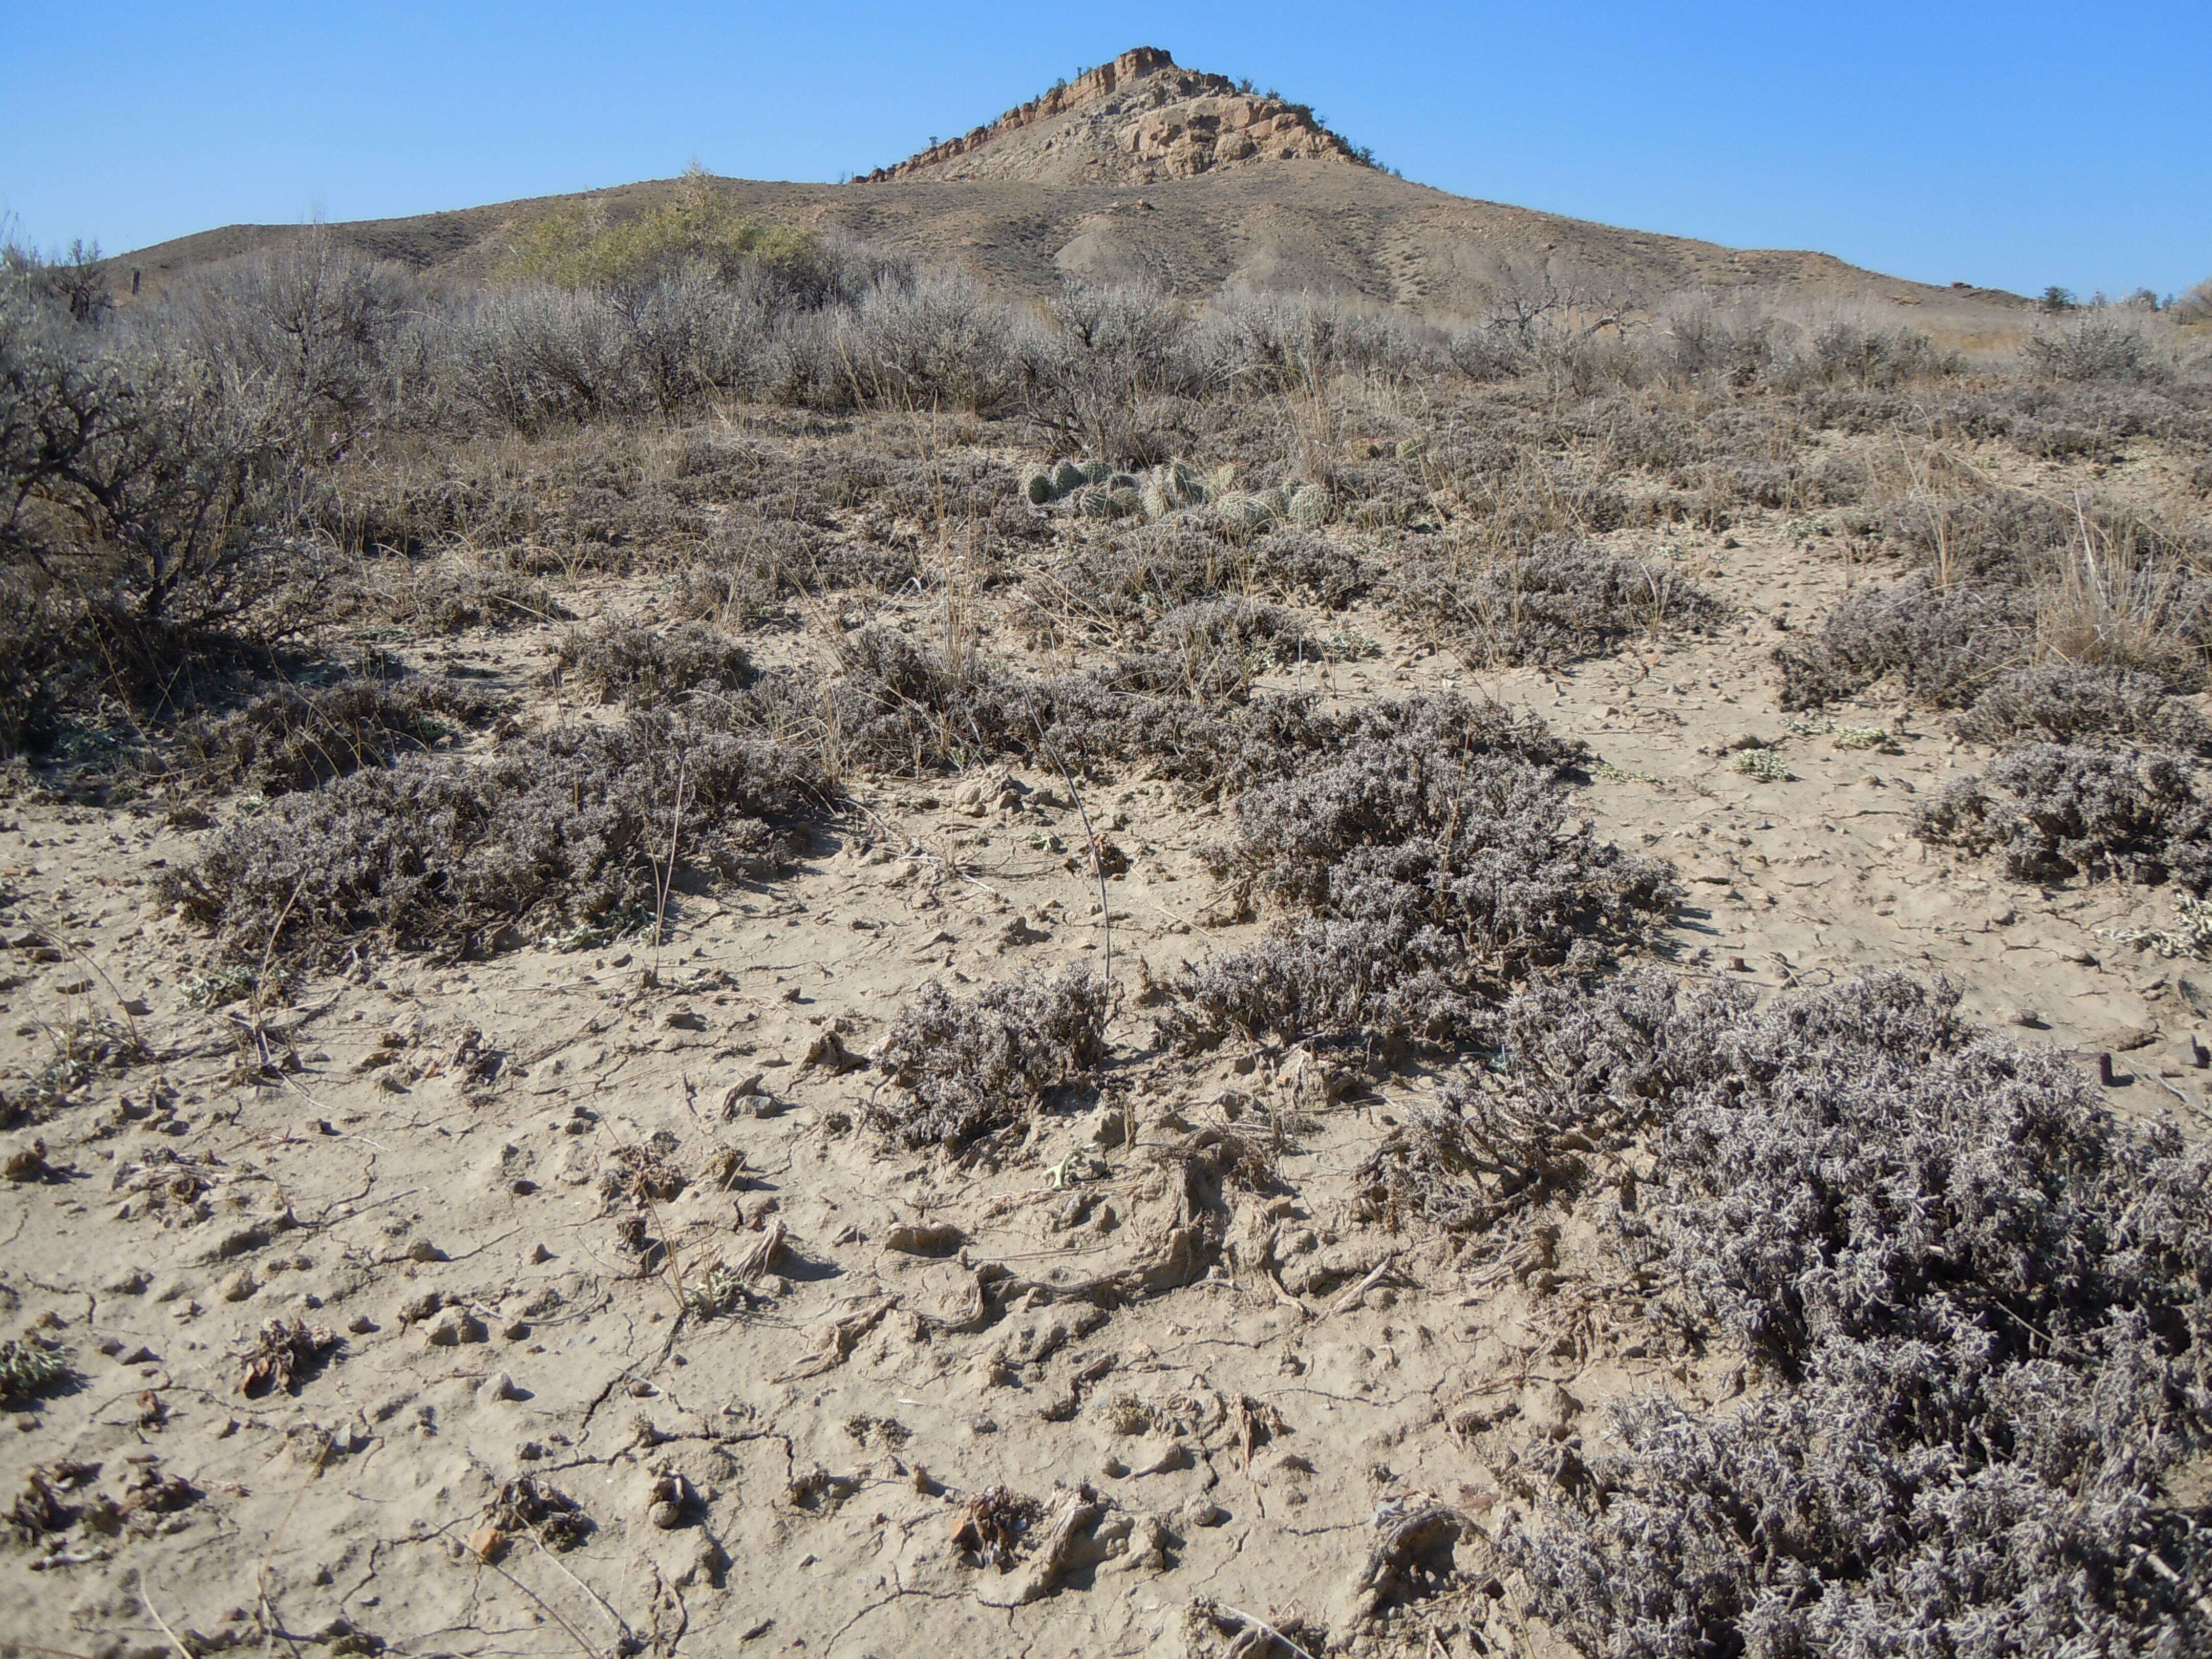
pixel 239 1285
pixel 495 1388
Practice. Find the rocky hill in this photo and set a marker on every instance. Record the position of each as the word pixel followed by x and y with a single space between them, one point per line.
pixel 1140 169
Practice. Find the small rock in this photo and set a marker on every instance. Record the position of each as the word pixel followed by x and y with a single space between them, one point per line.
pixel 1105 1128
pixel 2026 1017
pixel 924 1238
pixel 495 1388
pixel 239 1285
pixel 1202 1512
pixel 2125 1039
pixel 417 1308
pixel 1742 740
pixel 455 1326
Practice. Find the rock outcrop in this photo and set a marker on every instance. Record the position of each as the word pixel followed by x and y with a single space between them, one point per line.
pixel 1137 119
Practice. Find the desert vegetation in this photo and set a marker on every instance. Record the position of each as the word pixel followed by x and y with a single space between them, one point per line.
pixel 1117 778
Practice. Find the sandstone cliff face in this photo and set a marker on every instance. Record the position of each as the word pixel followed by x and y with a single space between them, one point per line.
pixel 1137 119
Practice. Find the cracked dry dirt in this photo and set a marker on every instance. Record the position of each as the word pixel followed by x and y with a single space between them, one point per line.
pixel 493 1425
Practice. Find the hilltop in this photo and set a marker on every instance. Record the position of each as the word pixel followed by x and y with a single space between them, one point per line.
pixel 1137 120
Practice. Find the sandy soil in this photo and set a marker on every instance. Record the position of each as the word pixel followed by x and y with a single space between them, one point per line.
pixel 409 1161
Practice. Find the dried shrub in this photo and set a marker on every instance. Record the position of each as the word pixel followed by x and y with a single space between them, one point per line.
pixel 527 1505
pixel 2051 810
pixel 962 1067
pixel 901 707
pixel 1943 645
pixel 1560 601
pixel 448 854
pixel 284 1352
pixel 1430 1169
pixel 995 1525
pixel 297 736
pixel 1422 873
pixel 2099 346
pixel 639 1175
pixel 2066 703
pixel 1983 1307
pixel 623 662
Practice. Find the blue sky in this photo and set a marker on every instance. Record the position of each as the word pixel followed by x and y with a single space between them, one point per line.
pixel 2017 145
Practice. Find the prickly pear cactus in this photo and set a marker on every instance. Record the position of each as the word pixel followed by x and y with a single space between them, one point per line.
pixel 1310 507
pixel 1068 474
pixel 1097 471
pixel 1036 484
pixel 1245 514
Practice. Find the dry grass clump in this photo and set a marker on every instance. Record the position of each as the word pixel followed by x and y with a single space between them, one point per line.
pixel 650 667
pixel 1943 645
pixel 1116 590
pixel 296 737
pixel 2051 810
pixel 1213 648
pixel 1561 600
pixel 2006 580
pixel 750 569
pixel 2065 703
pixel 1981 1306
pixel 455 598
pixel 448 854
pixel 1421 874
pixel 958 1068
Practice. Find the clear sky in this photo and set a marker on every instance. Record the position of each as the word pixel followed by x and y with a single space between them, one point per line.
pixel 2018 145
